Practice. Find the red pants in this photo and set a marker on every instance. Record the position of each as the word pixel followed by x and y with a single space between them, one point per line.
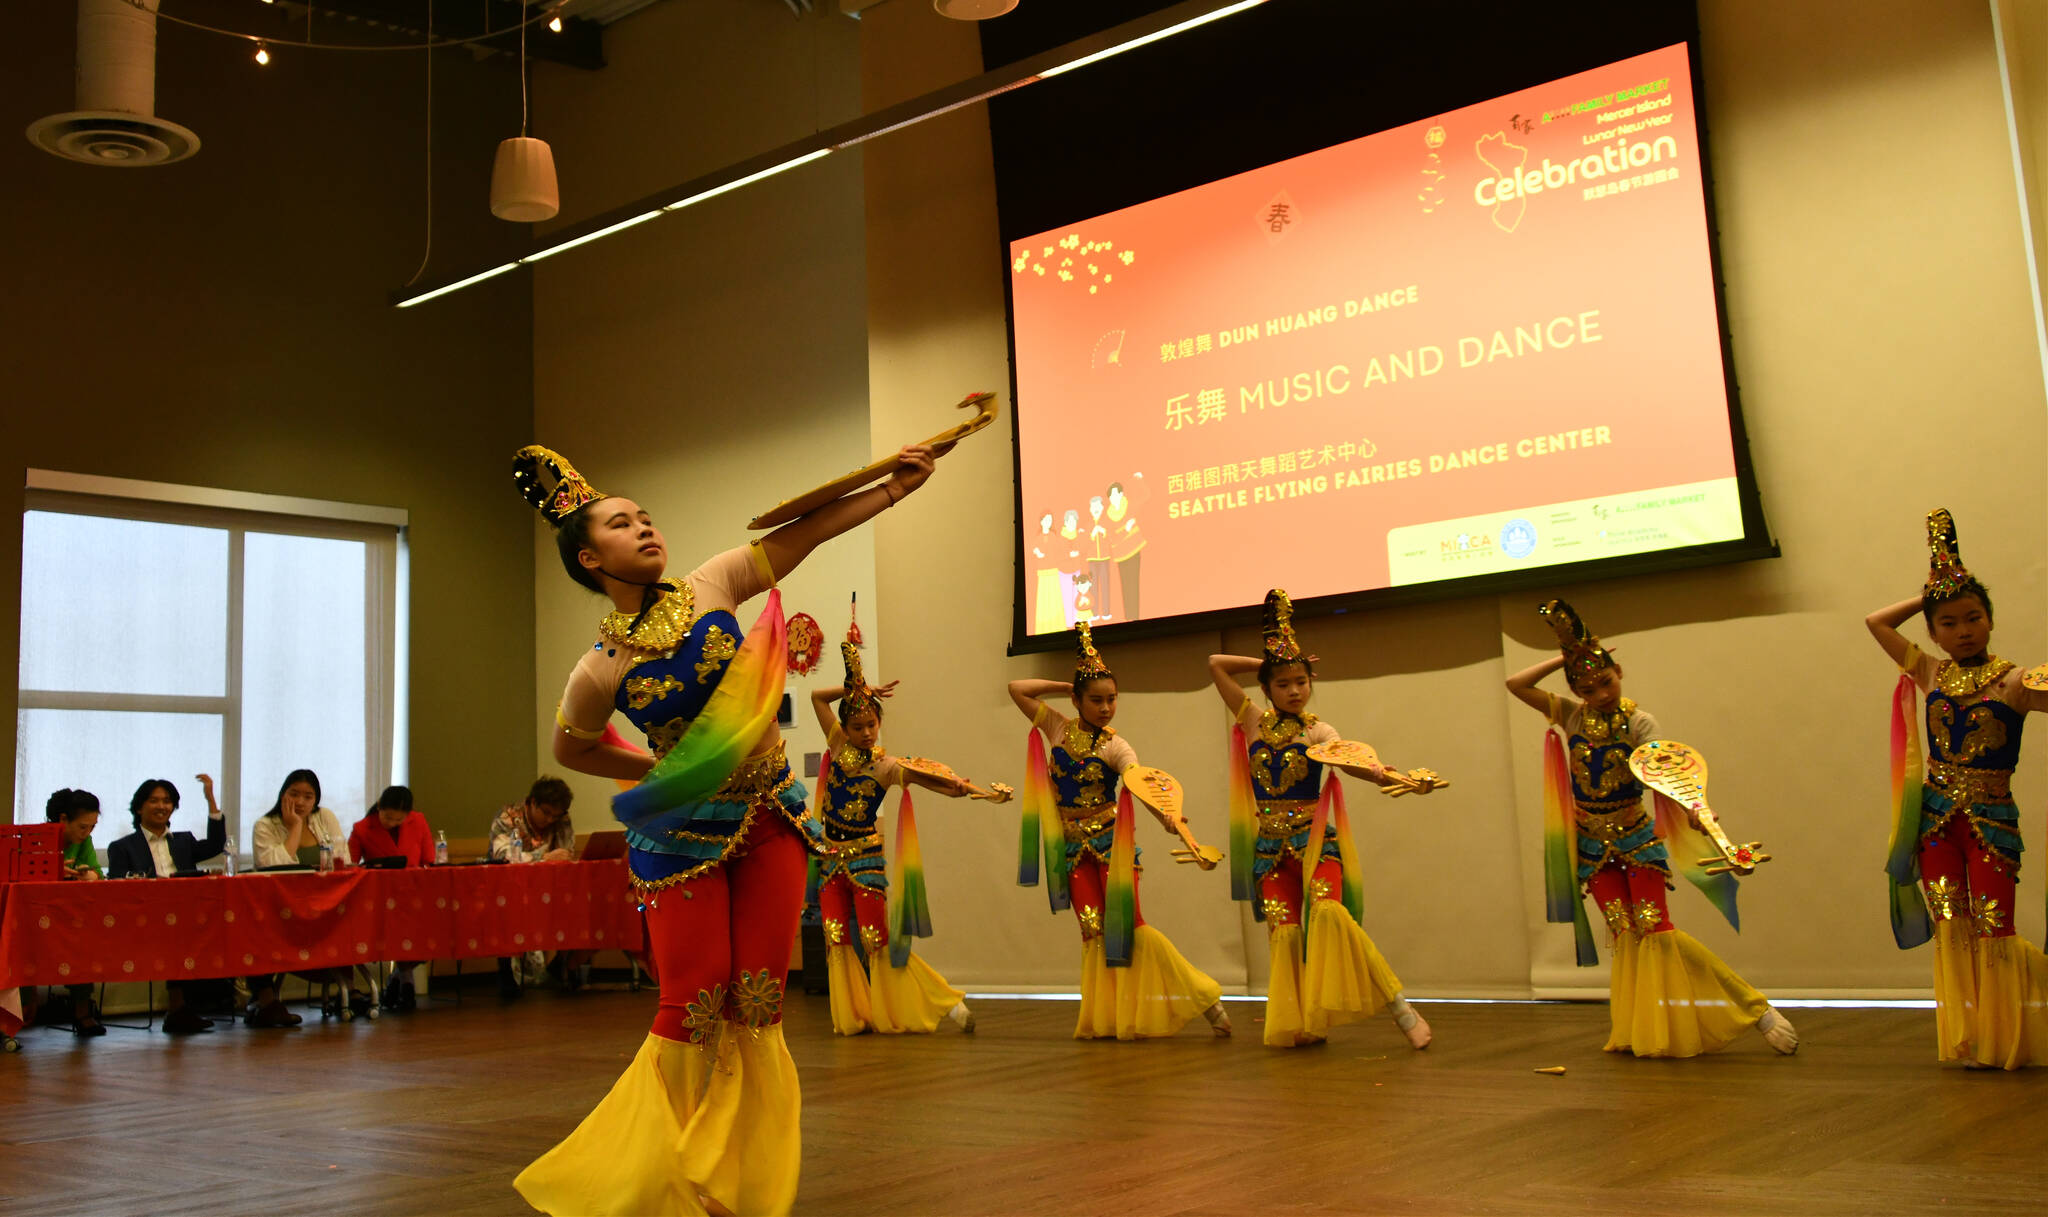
pixel 850 909
pixel 721 942
pixel 1084 884
pixel 1963 879
pixel 1631 898
pixel 1280 890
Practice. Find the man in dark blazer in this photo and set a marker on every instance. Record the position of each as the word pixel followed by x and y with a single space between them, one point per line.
pixel 153 851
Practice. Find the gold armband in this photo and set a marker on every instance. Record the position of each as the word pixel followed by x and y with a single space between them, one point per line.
pixel 569 729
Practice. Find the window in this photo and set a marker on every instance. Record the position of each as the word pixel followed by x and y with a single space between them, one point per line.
pixel 170 631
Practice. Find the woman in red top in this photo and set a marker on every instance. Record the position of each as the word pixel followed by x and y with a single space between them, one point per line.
pixel 393 829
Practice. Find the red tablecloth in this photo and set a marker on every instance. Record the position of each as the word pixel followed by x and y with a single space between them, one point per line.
pixel 168 929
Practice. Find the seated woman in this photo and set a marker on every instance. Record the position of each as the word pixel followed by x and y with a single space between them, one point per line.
pixel 153 851
pixel 79 812
pixel 392 829
pixel 537 830
pixel 293 833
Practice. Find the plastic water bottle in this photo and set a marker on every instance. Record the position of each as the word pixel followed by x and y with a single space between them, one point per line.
pixel 326 857
pixel 227 853
pixel 441 848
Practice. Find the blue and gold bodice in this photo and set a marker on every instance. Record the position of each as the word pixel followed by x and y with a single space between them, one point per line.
pixel 1081 779
pixel 1281 768
pixel 853 804
pixel 681 656
pixel 1599 752
pixel 1972 734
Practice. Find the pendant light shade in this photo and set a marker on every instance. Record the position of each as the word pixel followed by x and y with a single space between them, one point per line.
pixel 523 181
pixel 973 10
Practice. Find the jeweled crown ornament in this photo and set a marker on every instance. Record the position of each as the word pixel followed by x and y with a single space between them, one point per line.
pixel 551 484
pixel 1278 628
pixel 1947 577
pixel 1583 654
pixel 859 696
pixel 1088 661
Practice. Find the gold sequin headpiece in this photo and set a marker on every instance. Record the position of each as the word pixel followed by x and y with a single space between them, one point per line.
pixel 859 694
pixel 1583 654
pixel 550 483
pixel 1088 662
pixel 1947 578
pixel 1281 644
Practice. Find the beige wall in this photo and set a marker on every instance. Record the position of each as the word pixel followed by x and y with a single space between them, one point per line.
pixel 715 361
pixel 223 322
pixel 1878 301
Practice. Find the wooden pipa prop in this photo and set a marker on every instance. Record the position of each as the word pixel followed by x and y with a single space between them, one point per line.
pixel 1358 756
pixel 1678 772
pixel 996 792
pixel 1160 791
pixel 984 405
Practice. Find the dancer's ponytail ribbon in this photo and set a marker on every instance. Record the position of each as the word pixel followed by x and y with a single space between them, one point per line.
pixel 1911 924
pixel 909 914
pixel 1561 900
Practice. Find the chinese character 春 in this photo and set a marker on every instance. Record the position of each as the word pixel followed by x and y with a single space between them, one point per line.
pixel 1277 218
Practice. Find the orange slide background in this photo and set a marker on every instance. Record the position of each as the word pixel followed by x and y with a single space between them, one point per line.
pixel 1128 324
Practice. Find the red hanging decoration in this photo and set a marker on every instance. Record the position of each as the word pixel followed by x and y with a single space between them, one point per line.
pixel 806 643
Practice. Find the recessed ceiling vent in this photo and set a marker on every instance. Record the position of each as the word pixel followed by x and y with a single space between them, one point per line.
pixel 115 123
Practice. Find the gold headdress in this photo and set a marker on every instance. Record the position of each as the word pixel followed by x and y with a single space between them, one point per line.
pixel 859 694
pixel 1281 644
pixel 550 483
pixel 1088 661
pixel 1583 654
pixel 1947 577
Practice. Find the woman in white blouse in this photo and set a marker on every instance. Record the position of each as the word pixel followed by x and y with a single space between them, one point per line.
pixel 291 834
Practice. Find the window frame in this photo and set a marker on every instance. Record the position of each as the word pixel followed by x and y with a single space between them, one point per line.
pixel 386 591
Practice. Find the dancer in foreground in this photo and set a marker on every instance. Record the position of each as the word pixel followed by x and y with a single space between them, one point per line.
pixel 1134 984
pixel 705 1119
pixel 1955 847
pixel 1325 970
pixel 1668 995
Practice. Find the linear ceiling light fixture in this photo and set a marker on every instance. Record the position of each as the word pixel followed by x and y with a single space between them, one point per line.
pixel 1081 52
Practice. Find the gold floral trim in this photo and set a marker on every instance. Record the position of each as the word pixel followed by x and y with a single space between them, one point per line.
pixel 1318 889
pixel 835 932
pixel 1090 918
pixel 1293 768
pixel 757 999
pixel 1967 786
pixel 1278 912
pixel 1279 730
pixel 719 648
pixel 1963 682
pixel 701 1017
pixel 1990 918
pixel 760 778
pixel 644 691
pixel 1648 915
pixel 870 939
pixel 663 627
pixel 1616 911
pixel 1280 819
pixel 1598 728
pixel 1942 895
pixel 1611 826
pixel 836 851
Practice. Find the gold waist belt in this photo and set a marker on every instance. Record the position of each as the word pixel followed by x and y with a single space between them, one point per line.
pixel 835 850
pixel 1611 823
pixel 1967 786
pixel 759 779
pixel 1083 823
pixel 1280 819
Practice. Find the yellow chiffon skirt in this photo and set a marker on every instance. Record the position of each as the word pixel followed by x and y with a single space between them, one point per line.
pixel 1155 996
pixel 1671 996
pixel 1990 998
pixel 891 1000
pixel 682 1126
pixel 1342 978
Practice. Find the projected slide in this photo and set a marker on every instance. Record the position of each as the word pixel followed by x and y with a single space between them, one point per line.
pixel 1481 343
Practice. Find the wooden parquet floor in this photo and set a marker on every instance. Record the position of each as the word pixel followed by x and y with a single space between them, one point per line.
pixel 434 1113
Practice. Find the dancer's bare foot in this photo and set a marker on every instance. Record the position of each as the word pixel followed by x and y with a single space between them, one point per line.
pixel 961 1017
pixel 1778 1032
pixel 1303 1039
pixel 1219 1020
pixel 1412 1024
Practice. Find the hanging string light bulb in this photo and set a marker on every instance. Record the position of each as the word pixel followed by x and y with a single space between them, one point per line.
pixel 262 55
pixel 555 20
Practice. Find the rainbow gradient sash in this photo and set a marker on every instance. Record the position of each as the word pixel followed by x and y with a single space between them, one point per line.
pixel 1040 829
pixel 1561 899
pixel 1244 817
pixel 909 914
pixel 1687 846
pixel 1911 924
pixel 1120 888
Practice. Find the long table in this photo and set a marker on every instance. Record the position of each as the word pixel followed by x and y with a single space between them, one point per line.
pixel 172 929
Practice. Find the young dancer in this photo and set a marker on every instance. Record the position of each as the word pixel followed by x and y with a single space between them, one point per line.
pixel 1335 974
pixel 1956 830
pixel 1134 985
pixel 1667 994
